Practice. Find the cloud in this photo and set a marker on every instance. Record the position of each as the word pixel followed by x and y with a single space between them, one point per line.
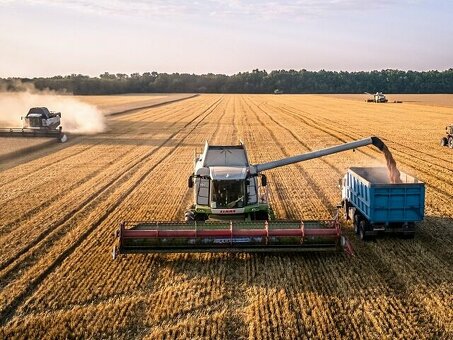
pixel 265 9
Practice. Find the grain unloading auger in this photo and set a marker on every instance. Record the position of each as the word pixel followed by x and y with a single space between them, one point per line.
pixel 39 122
pixel 231 212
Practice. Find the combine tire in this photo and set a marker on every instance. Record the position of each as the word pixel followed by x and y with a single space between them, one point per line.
pixel 443 141
pixel 450 142
pixel 63 139
pixel 189 216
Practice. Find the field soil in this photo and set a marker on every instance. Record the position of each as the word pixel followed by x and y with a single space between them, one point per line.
pixel 60 208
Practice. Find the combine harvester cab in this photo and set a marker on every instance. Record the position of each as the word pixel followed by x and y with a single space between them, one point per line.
pixel 231 212
pixel 39 122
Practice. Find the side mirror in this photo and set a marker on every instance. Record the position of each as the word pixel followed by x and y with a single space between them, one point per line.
pixel 263 180
pixel 190 182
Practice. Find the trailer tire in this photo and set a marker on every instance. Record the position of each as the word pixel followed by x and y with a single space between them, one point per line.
pixel 362 231
pixel 356 223
pixel 444 141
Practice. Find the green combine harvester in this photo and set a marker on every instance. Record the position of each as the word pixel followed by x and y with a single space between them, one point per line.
pixel 231 210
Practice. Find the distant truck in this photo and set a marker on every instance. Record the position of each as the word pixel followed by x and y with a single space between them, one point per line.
pixel 448 139
pixel 377 206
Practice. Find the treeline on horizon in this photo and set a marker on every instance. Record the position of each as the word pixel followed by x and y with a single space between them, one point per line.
pixel 257 81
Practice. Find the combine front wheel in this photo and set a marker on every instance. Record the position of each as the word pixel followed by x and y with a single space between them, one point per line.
pixel 63 138
pixel 443 141
pixel 450 142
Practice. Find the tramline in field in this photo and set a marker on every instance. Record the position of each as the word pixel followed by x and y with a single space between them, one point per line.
pixel 231 211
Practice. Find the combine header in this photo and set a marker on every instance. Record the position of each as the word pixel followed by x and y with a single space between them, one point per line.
pixel 39 122
pixel 231 212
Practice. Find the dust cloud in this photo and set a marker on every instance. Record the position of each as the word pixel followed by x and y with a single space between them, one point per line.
pixel 76 116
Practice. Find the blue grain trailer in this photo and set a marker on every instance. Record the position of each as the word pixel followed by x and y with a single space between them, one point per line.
pixel 376 205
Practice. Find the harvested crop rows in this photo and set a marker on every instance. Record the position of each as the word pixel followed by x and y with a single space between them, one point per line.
pixel 58 213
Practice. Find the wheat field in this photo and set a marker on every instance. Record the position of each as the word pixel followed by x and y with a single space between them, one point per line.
pixel 59 208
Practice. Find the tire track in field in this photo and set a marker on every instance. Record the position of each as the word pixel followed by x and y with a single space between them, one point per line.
pixel 438 248
pixel 326 109
pixel 399 287
pixel 140 114
pixel 74 138
pixel 316 188
pixel 130 128
pixel 36 208
pixel 104 233
pixel 189 193
pixel 327 130
pixel 67 216
pixel 444 196
pixel 234 291
pixel 85 203
pixel 314 124
pixel 440 252
pixel 439 166
pixel 11 307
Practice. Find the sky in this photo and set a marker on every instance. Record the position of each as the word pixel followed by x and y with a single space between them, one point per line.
pixel 46 38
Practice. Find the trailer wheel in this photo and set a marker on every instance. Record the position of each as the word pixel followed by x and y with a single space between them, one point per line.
pixel 362 231
pixel 443 141
pixel 356 223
